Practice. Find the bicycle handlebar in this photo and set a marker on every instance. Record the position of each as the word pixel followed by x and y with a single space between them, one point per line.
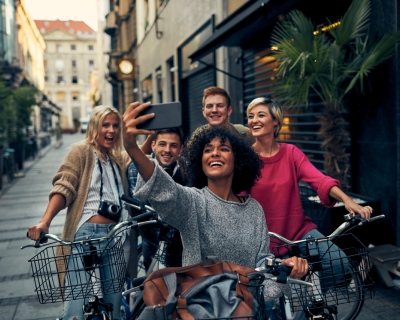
pixel 148 214
pixel 137 204
pixel 280 274
pixel 354 220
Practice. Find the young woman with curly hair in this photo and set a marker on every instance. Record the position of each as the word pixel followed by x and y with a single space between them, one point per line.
pixel 212 218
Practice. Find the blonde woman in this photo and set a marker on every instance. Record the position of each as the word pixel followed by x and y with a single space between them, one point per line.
pixel 94 170
pixel 284 166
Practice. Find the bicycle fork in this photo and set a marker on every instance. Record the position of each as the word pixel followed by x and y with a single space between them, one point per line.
pixel 318 306
pixel 96 308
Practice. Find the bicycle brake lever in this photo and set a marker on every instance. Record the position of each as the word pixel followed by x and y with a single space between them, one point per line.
pixel 42 239
pixel 301 282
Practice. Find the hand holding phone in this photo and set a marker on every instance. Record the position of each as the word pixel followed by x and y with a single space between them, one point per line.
pixel 166 115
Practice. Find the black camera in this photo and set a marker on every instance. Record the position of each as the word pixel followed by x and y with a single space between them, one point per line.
pixel 109 210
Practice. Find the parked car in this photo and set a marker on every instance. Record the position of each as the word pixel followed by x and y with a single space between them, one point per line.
pixel 84 124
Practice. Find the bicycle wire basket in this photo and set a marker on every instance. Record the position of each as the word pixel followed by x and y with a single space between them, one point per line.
pixel 162 242
pixel 344 278
pixel 89 268
pixel 312 206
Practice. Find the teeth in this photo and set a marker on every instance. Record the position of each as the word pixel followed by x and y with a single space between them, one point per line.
pixel 216 163
pixel 257 127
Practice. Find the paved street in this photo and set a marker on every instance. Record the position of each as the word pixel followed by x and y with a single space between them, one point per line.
pixel 22 205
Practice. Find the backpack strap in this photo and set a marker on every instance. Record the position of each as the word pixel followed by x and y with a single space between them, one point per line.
pixel 182 309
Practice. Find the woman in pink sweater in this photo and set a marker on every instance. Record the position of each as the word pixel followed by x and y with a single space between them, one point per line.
pixel 284 166
pixel 277 190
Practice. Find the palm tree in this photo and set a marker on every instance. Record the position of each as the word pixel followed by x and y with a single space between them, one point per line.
pixel 329 62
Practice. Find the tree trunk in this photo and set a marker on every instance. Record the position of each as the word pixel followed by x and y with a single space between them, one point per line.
pixel 336 137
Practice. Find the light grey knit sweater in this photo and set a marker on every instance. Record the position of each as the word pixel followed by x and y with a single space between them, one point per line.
pixel 210 225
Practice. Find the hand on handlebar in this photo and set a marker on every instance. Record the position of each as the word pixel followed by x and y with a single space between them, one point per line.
pixel 35 231
pixel 355 208
pixel 299 266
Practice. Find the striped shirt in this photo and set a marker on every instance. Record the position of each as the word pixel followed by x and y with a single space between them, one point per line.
pixel 110 191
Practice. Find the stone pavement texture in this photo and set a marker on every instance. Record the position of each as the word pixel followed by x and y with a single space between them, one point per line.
pixel 22 204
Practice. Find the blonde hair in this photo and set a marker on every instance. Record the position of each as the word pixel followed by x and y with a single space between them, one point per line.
pixel 94 126
pixel 274 109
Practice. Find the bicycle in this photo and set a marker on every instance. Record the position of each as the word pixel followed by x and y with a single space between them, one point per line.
pixel 345 282
pixel 96 268
pixel 162 257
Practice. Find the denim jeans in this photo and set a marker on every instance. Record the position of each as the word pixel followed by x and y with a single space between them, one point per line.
pixel 333 260
pixel 74 308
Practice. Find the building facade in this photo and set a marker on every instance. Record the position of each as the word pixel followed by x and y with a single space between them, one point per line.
pixel 120 25
pixel 69 60
pixel 29 53
pixel 7 30
pixel 104 47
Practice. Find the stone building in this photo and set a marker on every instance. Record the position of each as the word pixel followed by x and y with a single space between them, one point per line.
pixel 30 52
pixel 120 25
pixel 69 59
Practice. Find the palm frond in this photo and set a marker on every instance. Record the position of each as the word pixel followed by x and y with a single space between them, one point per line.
pixel 353 24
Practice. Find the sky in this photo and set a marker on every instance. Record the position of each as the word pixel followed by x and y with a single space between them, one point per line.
pixel 83 10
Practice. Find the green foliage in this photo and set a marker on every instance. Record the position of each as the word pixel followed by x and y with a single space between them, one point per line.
pixel 332 62
pixel 15 111
pixel 23 99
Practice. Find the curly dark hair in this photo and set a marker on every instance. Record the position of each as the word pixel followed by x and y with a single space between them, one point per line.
pixel 247 164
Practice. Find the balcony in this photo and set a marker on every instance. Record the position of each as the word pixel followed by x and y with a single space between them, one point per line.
pixel 111 23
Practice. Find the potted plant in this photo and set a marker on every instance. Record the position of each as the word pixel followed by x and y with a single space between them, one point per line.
pixel 329 62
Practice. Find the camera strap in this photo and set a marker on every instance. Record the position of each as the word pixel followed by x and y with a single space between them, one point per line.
pixel 101 179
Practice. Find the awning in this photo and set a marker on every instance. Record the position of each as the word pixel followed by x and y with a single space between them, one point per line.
pixel 247 23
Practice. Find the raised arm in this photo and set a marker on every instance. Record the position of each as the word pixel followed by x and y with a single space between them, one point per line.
pixel 146 146
pixel 349 203
pixel 130 120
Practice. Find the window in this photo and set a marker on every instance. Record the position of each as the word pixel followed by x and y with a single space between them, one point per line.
pixel 73 47
pixel 45 63
pixel 91 64
pixel 59 47
pixel 59 65
pixel 90 47
pixel 60 79
pixel 60 96
pixel 75 95
pixel 74 79
pixel 46 78
pixel 73 63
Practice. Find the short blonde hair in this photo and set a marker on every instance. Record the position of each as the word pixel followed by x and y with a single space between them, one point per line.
pixel 274 109
pixel 94 126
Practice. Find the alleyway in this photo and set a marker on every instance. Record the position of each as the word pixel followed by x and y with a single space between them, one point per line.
pixel 23 204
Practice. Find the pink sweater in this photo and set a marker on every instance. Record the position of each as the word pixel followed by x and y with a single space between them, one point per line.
pixel 278 193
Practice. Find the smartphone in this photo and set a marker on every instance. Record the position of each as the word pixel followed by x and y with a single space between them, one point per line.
pixel 167 115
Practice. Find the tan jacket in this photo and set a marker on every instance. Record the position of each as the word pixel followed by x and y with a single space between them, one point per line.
pixel 73 180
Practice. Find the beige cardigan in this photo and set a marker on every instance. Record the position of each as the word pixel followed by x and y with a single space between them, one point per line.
pixel 72 181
